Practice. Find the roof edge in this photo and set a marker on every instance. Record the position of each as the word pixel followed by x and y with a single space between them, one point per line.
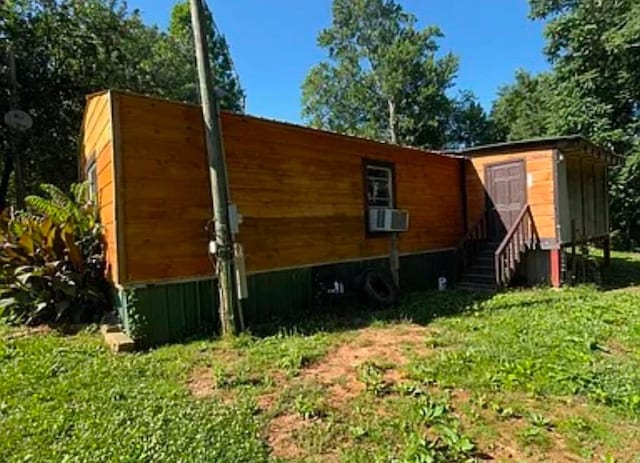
pixel 544 142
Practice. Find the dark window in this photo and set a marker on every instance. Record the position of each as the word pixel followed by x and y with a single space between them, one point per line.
pixel 92 178
pixel 380 191
pixel 379 186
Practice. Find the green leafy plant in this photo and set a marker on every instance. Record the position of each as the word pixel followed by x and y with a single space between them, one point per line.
pixel 52 262
pixel 372 376
pixel 432 411
pixel 310 406
pixel 444 441
pixel 540 421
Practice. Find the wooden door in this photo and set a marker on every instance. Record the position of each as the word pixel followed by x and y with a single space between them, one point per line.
pixel 506 196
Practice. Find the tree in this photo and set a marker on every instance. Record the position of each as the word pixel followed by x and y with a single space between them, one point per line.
pixel 181 60
pixel 382 79
pixel 470 125
pixel 66 49
pixel 593 89
pixel 520 109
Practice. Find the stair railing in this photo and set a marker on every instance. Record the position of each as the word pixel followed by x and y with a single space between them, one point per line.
pixel 521 237
pixel 472 243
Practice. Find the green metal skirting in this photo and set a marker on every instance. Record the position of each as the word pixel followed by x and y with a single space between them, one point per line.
pixel 172 312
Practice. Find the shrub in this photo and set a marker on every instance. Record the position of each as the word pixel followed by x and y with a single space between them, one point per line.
pixel 52 260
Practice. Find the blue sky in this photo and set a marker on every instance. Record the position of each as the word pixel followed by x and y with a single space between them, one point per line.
pixel 273 43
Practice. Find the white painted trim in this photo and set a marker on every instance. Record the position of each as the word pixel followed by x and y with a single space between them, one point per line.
pixel 167 281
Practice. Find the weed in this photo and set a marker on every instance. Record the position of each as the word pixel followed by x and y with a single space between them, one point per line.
pixel 539 421
pixel 504 413
pixel 431 411
pixel 357 432
pixel 412 388
pixel 310 407
pixel 419 370
pixel 534 436
pixel 372 375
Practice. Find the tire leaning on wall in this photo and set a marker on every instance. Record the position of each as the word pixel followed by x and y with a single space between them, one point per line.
pixel 379 290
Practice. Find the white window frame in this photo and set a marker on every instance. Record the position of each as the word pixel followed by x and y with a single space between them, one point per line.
pixel 389 172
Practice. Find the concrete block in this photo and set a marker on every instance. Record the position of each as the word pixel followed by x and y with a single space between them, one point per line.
pixel 119 342
pixel 109 328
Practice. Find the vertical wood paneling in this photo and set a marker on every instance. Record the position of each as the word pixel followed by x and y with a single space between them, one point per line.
pixel 588 201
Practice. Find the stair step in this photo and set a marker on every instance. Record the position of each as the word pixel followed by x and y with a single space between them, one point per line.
pixel 482 267
pixel 486 253
pixel 479 276
pixel 477 287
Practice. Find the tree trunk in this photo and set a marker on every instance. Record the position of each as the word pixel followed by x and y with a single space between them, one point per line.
pixel 4 181
pixel 393 136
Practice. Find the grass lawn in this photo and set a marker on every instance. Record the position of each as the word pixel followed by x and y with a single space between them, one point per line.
pixel 532 375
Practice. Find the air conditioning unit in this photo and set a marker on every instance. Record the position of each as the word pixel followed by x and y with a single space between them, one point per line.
pixel 388 220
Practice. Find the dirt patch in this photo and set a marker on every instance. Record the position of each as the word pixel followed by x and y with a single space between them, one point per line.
pixel 281 435
pixel 267 401
pixel 201 384
pixel 507 447
pixel 388 347
pixel 338 373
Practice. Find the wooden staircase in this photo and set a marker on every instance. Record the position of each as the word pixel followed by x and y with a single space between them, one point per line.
pixel 480 274
pixel 486 265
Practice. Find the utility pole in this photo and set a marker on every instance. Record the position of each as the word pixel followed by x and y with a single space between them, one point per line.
pixel 16 145
pixel 218 172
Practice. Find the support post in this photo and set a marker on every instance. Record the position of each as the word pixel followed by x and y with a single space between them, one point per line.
pixel 395 260
pixel 218 173
pixel 606 248
pixel 555 256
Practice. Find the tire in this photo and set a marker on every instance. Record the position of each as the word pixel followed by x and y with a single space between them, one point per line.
pixel 380 291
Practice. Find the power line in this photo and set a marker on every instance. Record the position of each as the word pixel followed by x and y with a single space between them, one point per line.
pixel 234 70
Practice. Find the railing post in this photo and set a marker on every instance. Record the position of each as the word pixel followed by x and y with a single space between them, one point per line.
pixel 520 237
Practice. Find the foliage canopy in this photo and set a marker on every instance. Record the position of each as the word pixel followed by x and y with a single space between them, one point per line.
pixel 383 79
pixel 66 49
pixel 593 88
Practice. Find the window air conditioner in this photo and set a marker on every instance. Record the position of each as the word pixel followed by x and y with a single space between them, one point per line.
pixel 388 220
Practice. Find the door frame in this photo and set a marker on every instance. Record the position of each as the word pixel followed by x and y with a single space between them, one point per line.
pixel 487 180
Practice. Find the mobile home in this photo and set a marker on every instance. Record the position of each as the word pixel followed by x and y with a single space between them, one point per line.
pixel 306 199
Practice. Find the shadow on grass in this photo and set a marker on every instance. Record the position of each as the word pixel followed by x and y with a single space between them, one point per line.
pixel 420 308
pixel 623 272
pixel 423 307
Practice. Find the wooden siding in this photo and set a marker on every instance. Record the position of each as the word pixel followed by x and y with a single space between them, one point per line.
pixel 540 187
pixel 97 148
pixel 300 192
pixel 588 205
